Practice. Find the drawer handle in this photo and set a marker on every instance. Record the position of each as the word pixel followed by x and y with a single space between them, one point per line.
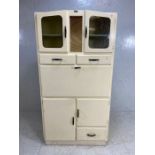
pixel 77 67
pixel 93 59
pixel 72 120
pixel 57 59
pixel 65 32
pixel 85 32
pixel 91 134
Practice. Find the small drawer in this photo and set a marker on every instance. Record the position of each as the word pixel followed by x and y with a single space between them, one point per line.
pixel 56 59
pixel 91 60
pixel 92 133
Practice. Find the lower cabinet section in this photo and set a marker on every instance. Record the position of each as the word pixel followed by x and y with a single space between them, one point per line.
pixel 75 119
pixel 92 133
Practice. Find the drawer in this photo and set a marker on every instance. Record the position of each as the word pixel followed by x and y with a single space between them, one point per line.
pixel 91 60
pixel 93 112
pixel 57 59
pixel 92 133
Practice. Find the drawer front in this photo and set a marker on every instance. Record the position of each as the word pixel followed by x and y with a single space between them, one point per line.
pixel 91 60
pixel 93 112
pixel 67 81
pixel 92 133
pixel 57 59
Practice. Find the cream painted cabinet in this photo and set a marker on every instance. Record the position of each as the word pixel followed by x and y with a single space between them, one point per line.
pixel 75 51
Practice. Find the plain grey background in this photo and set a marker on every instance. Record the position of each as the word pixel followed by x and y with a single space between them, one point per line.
pixel 123 77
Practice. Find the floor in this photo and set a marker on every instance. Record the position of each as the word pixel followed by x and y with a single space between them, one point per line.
pixel 121 137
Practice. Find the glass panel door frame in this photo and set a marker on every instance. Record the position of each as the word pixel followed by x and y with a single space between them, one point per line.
pixel 113 19
pixel 65 23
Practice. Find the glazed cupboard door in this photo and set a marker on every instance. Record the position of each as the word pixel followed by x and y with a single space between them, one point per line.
pixel 100 29
pixel 52 31
pixel 58 116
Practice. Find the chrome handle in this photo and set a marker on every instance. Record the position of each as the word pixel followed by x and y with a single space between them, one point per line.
pixel 77 67
pixel 65 32
pixel 57 59
pixel 91 134
pixel 72 120
pixel 85 32
pixel 93 59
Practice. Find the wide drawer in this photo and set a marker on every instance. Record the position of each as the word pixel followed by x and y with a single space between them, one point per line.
pixel 57 59
pixel 92 133
pixel 97 59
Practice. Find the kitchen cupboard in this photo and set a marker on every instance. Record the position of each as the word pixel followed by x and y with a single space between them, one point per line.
pixel 75 50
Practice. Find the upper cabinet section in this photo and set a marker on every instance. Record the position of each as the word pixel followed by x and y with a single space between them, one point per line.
pixel 75 31
pixel 52 32
pixel 100 29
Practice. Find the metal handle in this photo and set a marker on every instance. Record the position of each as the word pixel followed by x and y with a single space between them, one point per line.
pixel 65 32
pixel 85 32
pixel 77 113
pixel 93 59
pixel 72 120
pixel 77 67
pixel 57 59
pixel 91 134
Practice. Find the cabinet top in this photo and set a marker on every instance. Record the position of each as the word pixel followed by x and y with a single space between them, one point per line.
pixel 75 11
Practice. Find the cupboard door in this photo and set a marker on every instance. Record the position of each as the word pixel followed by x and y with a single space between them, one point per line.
pixel 93 112
pixel 58 115
pixel 52 31
pixel 100 29
pixel 71 81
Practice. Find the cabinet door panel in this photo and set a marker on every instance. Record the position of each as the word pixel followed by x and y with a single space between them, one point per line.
pixel 100 29
pixel 93 112
pixel 57 119
pixel 68 81
pixel 51 29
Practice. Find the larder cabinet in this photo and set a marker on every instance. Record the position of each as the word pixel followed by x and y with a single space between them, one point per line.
pixel 75 51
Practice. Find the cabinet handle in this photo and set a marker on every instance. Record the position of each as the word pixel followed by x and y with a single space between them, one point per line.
pixel 77 67
pixel 91 134
pixel 72 120
pixel 57 59
pixel 93 59
pixel 85 32
pixel 78 113
pixel 65 31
